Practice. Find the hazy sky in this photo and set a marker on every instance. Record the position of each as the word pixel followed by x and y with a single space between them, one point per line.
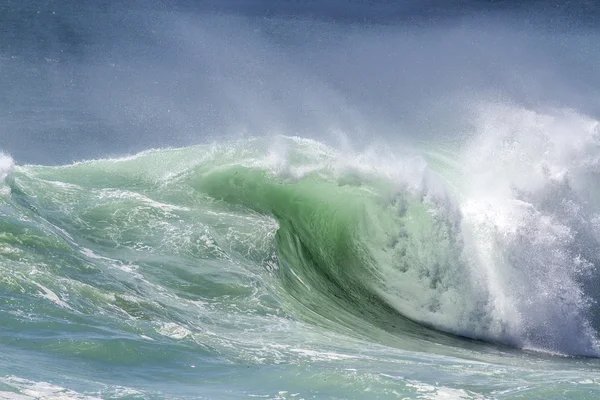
pixel 80 81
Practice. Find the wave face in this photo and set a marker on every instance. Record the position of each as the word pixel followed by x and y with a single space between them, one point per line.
pixel 506 253
pixel 242 251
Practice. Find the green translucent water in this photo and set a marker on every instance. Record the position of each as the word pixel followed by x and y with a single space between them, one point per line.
pixel 229 271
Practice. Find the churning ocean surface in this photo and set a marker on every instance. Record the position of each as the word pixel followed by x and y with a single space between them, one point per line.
pixel 299 200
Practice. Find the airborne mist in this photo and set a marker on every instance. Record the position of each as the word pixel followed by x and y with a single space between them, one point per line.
pixel 82 81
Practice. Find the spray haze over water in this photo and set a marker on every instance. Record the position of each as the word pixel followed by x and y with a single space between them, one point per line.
pixel 299 200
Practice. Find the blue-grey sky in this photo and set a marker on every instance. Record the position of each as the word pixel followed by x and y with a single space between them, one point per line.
pixel 91 79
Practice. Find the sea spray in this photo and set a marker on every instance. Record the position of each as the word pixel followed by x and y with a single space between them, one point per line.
pixel 6 168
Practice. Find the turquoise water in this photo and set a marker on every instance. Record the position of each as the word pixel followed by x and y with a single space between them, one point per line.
pixel 281 268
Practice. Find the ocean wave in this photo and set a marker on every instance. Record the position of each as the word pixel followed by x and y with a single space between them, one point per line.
pixel 489 241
